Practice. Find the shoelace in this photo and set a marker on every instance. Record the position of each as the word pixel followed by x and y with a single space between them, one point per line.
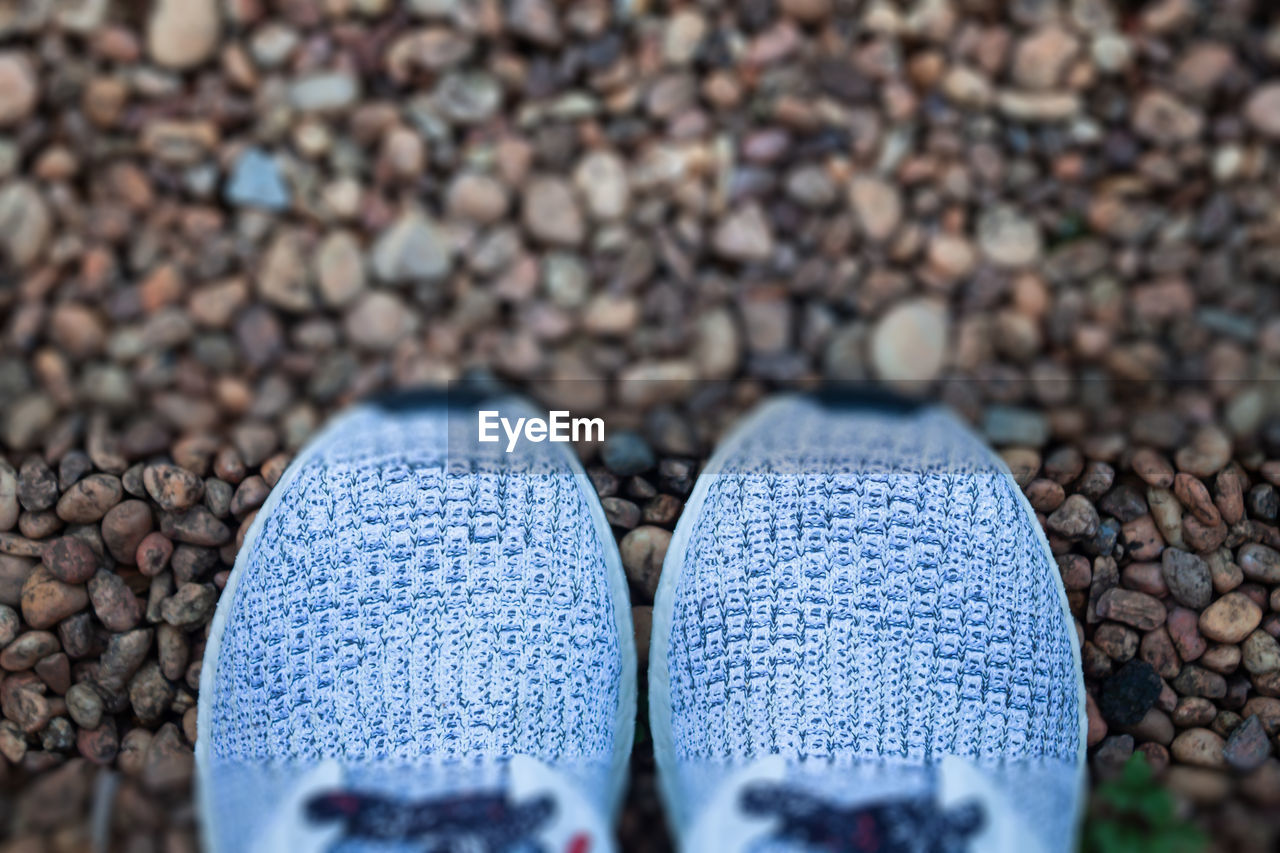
pixel 483 823
pixel 909 825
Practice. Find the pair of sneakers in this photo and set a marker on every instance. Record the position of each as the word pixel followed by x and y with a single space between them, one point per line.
pixel 860 643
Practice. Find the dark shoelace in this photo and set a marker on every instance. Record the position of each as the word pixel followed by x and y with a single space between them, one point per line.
pixel 483 823
pixel 909 825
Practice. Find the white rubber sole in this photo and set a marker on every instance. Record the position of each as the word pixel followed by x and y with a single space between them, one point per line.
pixel 624 717
pixel 660 717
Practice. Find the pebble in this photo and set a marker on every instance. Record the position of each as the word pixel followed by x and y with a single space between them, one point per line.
pixel 256 182
pixel 551 214
pixel 1187 577
pixel 19 88
pixel 339 268
pixel 1134 608
pixel 1247 747
pixel 26 226
pixel 114 603
pixel 1259 562
pixel 46 601
pixel 877 205
pixel 324 91
pixel 378 321
pixel 1231 618
pixel 643 551
pixel 1007 238
pixel 1126 696
pixel 1075 519
pixel 28 648
pixel 909 343
pixel 1042 57
pixel 172 487
pixel 412 249
pixel 1260 652
pixel 744 236
pixel 182 34
pixel 190 606
pixel 1207 453
pixel 1163 119
pixel 153 553
pixel 601 179
pixel 1199 748
pixel 626 453
pixel 84 705
pixel 478 198
pixel 1262 110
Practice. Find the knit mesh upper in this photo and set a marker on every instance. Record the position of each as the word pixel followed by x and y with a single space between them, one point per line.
pixel 864 588
pixel 408 605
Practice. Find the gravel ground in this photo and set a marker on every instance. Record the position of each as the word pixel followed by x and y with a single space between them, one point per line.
pixel 221 220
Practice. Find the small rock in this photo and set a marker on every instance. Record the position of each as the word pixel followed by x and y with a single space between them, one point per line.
pixel 378 321
pixel 182 34
pixel 1262 110
pixel 150 693
pixel 601 178
pixel 1199 748
pixel 84 705
pixel 46 601
pixel 476 197
pixel 28 648
pixel 1260 652
pixel 1208 452
pixel 412 249
pixel 1042 57
pixel 877 205
pixel 550 213
pixel 744 236
pixel 621 512
pixel 325 91
pixel 282 274
pixel 26 226
pixel 114 603
pixel 1007 238
pixel 1247 747
pixel 256 182
pixel 196 526
pixel 339 267
pixel 189 607
pixel 168 764
pixel 1134 608
pixel 643 551
pixel 1125 697
pixel 124 527
pixel 1161 118
pixel 172 487
pixel 1075 519
pixel 19 88
pixel 153 554
pixel 1231 618
pixel 71 560
pixel 626 453
pixel 1259 563
pixel 909 343
pixel 1187 577
pixel 1004 425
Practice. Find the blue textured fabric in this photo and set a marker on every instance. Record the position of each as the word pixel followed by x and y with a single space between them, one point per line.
pixel 863 589
pixel 419 612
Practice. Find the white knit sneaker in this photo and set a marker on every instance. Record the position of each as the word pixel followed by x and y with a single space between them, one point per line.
pixel 861 642
pixel 425 644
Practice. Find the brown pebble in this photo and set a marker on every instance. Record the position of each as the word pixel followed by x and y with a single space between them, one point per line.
pixel 1231 618
pixel 1142 539
pixel 1199 747
pixel 169 763
pixel 71 560
pixel 1138 609
pixel 123 527
pixel 172 487
pixel 643 550
pixel 28 648
pixel 88 500
pixel 153 553
pixel 114 603
pixel 190 606
pixel 47 600
pixel 1153 468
